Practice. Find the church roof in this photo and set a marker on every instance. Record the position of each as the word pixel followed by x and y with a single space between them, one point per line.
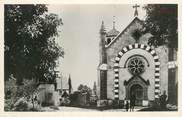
pixel 121 33
pixel 113 32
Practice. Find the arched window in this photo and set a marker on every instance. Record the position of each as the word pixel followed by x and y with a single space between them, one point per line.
pixel 108 40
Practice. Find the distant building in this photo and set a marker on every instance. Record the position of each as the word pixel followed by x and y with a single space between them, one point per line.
pixel 51 93
pixel 61 82
pixel 79 99
pixel 93 96
pixel 62 85
pixel 47 95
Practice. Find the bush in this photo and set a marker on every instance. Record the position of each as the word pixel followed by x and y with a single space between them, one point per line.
pixel 21 106
pixel 8 105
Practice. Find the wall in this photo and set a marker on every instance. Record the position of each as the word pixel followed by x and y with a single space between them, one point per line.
pixel 113 50
pixel 48 95
pixel 124 74
pixel 162 52
pixel 124 40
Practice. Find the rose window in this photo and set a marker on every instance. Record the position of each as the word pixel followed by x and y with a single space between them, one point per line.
pixel 136 66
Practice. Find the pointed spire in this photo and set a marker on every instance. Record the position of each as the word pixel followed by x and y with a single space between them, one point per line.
pixel 94 88
pixel 102 29
pixel 114 22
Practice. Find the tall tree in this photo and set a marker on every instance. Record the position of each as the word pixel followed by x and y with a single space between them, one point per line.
pixel 161 22
pixel 69 84
pixel 30 44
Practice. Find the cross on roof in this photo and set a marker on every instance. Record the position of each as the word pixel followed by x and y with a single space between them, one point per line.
pixel 136 11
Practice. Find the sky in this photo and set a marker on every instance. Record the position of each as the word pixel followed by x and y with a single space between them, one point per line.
pixel 79 36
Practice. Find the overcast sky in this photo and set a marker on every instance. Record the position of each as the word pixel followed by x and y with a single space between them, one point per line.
pixel 79 36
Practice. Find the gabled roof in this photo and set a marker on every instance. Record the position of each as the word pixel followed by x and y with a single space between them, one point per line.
pixel 62 83
pixel 121 33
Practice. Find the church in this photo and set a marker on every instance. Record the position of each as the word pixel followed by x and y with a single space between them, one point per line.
pixel 129 65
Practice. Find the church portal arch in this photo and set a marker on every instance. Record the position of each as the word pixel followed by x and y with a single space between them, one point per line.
pixel 156 61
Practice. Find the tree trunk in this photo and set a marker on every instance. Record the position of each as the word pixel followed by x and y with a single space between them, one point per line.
pixel 33 101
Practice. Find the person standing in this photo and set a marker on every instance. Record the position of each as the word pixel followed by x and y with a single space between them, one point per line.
pixel 132 102
pixel 163 100
pixel 127 106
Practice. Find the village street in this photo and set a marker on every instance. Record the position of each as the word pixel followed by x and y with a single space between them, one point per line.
pixel 77 109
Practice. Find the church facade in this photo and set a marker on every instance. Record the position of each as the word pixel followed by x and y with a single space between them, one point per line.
pixel 128 65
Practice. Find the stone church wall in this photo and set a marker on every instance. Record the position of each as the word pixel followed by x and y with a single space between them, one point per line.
pixel 162 52
pixel 124 40
pixel 112 52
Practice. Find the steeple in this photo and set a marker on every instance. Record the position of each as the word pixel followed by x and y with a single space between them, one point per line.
pixel 102 29
pixel 95 88
pixel 113 22
pixel 102 60
pixel 113 32
pixel 102 43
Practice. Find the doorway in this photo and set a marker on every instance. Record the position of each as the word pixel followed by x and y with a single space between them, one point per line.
pixel 138 91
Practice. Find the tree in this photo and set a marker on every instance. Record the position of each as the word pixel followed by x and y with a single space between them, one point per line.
pixel 30 47
pixel 85 89
pixel 28 90
pixel 161 22
pixel 69 84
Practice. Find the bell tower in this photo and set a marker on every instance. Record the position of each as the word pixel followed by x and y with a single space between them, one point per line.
pixel 103 60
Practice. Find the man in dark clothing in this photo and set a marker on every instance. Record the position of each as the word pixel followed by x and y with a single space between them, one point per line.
pixel 127 105
pixel 163 100
pixel 132 102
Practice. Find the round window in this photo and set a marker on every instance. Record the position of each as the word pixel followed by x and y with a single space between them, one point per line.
pixel 136 66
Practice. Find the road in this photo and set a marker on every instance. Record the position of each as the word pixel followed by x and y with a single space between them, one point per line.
pixel 76 109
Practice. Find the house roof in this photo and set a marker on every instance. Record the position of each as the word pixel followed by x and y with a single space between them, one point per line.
pixel 62 83
pixel 121 33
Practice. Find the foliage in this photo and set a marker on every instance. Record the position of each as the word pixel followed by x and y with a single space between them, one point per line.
pixel 25 92
pixel 161 22
pixel 69 84
pixel 21 106
pixel 84 89
pixel 30 47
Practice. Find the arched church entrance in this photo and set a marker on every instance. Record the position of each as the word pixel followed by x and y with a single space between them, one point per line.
pixel 138 87
pixel 136 67
pixel 138 91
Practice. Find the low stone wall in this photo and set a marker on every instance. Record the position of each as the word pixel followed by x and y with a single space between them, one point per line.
pixel 47 95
